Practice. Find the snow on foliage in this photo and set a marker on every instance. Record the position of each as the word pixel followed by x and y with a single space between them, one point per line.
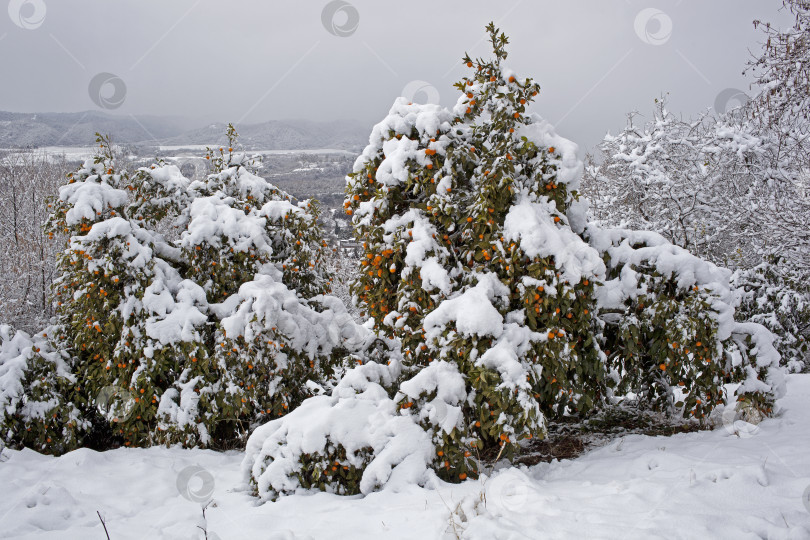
pixel 707 186
pixel 449 209
pixel 351 441
pixel 91 197
pixel 33 379
pixel 534 229
pixel 509 309
pixel 493 307
pixel 659 296
pixel 472 311
pixel 194 340
pixel 775 297
pixel 730 186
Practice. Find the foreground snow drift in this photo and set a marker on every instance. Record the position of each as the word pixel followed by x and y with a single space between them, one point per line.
pixel 698 485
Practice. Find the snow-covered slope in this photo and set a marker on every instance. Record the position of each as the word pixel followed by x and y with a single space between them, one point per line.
pixel 715 484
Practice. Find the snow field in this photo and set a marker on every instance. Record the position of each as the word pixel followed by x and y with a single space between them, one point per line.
pixel 731 483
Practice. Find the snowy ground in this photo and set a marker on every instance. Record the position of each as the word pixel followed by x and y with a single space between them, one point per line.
pixel 697 485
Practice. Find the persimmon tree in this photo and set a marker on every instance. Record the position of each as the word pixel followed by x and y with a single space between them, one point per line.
pixel 192 337
pixel 469 259
pixel 512 311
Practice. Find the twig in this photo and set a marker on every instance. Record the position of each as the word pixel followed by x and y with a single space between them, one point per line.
pixel 103 524
pixel 205 521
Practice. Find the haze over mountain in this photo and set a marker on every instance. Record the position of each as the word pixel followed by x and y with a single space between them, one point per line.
pixel 33 130
pixel 282 135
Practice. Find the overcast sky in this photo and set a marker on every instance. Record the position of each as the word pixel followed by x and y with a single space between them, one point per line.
pixel 256 60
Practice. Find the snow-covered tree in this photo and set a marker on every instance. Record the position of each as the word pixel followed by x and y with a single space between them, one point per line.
pixel 114 293
pixel 686 180
pixel 477 257
pixel 253 251
pixel 776 290
pixel 470 259
pixel 193 337
pixel 782 75
pixel 732 187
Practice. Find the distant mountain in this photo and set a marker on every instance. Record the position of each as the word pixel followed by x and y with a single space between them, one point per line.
pixel 20 130
pixel 282 135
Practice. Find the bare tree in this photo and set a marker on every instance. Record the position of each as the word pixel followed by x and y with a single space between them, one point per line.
pixel 685 179
pixel 28 180
pixel 780 114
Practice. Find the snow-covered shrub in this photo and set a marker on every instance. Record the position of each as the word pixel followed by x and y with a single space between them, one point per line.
pixel 239 221
pixel 477 257
pixel 470 258
pixel 128 319
pixel 200 334
pixel 670 335
pixel 35 381
pixel 776 298
pixel 258 258
pixel 351 441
